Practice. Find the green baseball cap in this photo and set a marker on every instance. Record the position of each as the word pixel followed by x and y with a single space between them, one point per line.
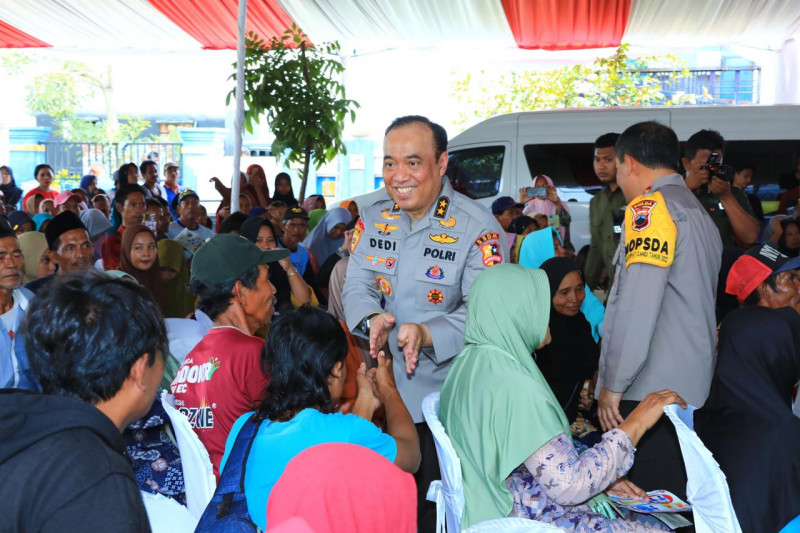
pixel 225 258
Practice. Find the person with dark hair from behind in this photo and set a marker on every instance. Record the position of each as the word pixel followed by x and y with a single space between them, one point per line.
pixel 742 178
pixel 305 354
pixel 606 214
pixel 11 193
pixel 129 201
pixel 221 377
pixel 15 371
pixel 764 277
pixel 233 222
pixel 747 422
pixel 728 206
pixel 98 374
pixel 660 324
pixel 790 182
pixel 69 248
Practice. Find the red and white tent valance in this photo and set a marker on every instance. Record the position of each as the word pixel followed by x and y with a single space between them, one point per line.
pixel 177 25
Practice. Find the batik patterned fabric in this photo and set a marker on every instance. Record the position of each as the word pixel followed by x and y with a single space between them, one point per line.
pixel 154 457
pixel 576 475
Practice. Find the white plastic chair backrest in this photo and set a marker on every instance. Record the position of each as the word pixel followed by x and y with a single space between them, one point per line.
pixel 450 492
pixel 167 515
pixel 198 474
pixel 706 487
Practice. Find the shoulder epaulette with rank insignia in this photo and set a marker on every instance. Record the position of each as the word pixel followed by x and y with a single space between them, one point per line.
pixel 442 204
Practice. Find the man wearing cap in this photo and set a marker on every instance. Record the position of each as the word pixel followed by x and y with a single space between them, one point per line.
pixel 130 203
pixel 294 229
pixel 170 187
pixel 21 222
pixel 187 226
pixel 101 203
pixel 606 214
pixel 15 371
pixel 419 249
pixel 765 277
pixel 68 201
pixel 221 378
pixel 505 209
pixel 69 247
pixel 660 324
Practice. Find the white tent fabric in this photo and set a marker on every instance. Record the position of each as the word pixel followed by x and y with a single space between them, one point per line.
pixel 97 24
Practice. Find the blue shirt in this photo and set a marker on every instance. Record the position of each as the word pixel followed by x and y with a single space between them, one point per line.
pixel 276 443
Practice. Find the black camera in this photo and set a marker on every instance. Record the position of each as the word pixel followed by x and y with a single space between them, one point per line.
pixel 718 170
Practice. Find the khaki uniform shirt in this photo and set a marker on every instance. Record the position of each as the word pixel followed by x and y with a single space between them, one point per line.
pixel 606 213
pixel 424 274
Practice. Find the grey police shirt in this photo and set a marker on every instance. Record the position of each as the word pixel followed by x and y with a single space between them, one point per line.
pixel 423 272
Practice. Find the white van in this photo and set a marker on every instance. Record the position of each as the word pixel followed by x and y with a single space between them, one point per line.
pixel 501 154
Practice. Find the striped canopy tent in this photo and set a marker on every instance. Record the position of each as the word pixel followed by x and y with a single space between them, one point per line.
pixel 175 25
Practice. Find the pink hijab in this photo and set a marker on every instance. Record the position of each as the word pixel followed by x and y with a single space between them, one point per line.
pixel 542 205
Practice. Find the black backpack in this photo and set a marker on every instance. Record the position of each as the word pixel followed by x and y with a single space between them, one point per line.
pixel 227 510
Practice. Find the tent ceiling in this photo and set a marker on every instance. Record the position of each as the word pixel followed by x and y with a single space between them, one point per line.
pixel 178 25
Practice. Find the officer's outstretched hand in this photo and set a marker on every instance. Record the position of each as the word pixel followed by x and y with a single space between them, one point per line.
pixel 411 338
pixel 379 328
pixel 608 409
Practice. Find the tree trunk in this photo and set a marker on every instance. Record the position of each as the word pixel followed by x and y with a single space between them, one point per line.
pixel 304 177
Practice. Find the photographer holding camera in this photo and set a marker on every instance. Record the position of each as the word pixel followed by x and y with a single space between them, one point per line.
pixel 710 181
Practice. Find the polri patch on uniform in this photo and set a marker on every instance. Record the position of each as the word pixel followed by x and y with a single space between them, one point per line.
pixel 435 272
pixel 359 229
pixel 435 296
pixel 491 253
pixel 652 234
pixel 449 223
pixel 443 238
pixel 384 285
pixel 491 236
pixel 385 229
pixel 441 207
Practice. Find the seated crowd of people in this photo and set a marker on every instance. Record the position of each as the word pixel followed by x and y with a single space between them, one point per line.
pixel 163 369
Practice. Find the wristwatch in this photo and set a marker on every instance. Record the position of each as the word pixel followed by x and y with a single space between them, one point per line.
pixel 364 325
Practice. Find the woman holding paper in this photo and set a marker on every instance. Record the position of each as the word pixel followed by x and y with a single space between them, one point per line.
pixel 513 439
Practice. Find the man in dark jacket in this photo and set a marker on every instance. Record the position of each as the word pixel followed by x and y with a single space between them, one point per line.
pixel 95 343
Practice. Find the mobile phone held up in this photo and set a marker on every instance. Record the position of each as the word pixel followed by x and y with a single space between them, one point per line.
pixel 150 222
pixel 536 192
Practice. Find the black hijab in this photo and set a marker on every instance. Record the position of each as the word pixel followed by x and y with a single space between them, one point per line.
pixel 11 193
pixel 287 198
pixel 277 276
pixel 747 420
pixel 572 355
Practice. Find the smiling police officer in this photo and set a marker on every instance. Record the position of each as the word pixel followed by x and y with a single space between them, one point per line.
pixel 418 249
pixel 659 328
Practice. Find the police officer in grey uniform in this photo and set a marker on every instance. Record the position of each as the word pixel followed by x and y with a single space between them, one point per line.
pixel 660 321
pixel 418 249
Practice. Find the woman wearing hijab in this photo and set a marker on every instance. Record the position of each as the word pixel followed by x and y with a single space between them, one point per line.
pixel 314 218
pixel 540 246
pixel 315 201
pixel 511 435
pixel 178 301
pixel 283 190
pixel 291 290
pixel 572 356
pixel 327 237
pixel 351 206
pixel 747 420
pixel 11 193
pixel 89 184
pixel 37 261
pixel 139 258
pixel 340 505
pixel 97 225
pixel 41 220
pixel 550 205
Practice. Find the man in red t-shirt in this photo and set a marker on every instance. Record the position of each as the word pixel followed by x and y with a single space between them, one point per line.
pixel 130 203
pixel 221 378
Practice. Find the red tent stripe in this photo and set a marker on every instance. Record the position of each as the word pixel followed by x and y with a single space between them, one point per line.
pixel 11 37
pixel 559 25
pixel 213 22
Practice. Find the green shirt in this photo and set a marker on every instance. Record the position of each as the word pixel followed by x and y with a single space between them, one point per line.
pixel 714 208
pixel 606 214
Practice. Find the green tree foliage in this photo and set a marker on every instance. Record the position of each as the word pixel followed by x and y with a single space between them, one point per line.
pixel 618 80
pixel 297 86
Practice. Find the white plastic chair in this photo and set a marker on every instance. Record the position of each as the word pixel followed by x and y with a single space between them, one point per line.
pixel 448 493
pixel 706 487
pixel 198 473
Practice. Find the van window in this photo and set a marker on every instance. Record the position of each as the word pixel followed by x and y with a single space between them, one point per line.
pixel 569 165
pixel 475 172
